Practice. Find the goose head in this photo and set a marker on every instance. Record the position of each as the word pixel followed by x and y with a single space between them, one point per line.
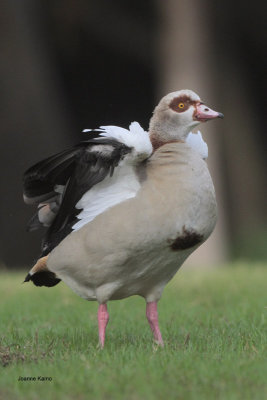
pixel 176 115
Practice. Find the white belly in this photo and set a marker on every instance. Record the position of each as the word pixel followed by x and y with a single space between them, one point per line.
pixel 144 274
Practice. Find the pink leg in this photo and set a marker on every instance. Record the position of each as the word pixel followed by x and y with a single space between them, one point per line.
pixel 152 317
pixel 103 317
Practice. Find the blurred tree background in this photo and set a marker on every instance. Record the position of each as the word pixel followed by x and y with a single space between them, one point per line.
pixel 74 64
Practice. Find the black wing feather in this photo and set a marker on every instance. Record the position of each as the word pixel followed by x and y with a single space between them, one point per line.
pixel 40 179
pixel 78 169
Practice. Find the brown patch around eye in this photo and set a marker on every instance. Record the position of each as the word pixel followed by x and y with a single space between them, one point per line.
pixel 181 103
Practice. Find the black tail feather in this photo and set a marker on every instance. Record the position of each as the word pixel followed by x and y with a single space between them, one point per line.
pixel 28 278
pixel 43 278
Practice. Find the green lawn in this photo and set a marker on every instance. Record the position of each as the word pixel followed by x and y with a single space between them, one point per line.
pixel 214 324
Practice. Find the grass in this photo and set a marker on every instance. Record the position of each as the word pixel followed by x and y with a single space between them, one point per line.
pixel 214 324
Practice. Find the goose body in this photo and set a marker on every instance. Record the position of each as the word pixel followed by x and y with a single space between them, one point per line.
pixel 126 208
pixel 137 246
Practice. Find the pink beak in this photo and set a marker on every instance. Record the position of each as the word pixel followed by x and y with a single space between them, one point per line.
pixel 204 113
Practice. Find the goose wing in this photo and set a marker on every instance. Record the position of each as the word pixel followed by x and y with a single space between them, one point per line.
pixel 72 187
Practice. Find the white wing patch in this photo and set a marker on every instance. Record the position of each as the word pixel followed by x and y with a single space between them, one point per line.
pixel 124 183
pixel 196 142
pixel 136 138
pixel 111 191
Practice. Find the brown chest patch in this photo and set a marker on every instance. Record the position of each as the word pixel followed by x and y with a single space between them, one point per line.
pixel 185 240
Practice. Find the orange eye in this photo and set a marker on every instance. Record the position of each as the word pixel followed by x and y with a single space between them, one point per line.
pixel 181 105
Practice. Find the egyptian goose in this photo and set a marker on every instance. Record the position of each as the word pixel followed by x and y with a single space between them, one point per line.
pixel 125 208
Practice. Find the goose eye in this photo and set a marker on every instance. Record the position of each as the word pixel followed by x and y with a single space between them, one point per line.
pixel 181 105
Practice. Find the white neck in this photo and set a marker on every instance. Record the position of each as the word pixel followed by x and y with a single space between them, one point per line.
pixel 164 130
